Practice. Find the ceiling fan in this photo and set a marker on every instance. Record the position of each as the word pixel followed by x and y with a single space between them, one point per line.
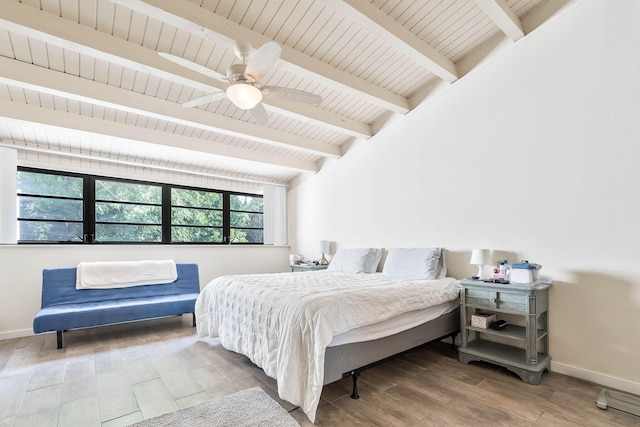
pixel 245 90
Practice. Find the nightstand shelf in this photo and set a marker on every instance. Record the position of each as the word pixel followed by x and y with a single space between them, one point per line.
pixel 513 332
pixel 521 349
pixel 511 358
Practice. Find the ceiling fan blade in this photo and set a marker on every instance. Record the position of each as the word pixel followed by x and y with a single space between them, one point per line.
pixel 194 66
pixel 259 114
pixel 212 97
pixel 292 94
pixel 262 61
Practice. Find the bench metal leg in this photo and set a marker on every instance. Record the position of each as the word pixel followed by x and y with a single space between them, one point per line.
pixel 59 338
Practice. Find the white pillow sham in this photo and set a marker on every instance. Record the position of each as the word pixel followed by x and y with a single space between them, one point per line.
pixel 358 260
pixel 415 263
pixel 442 265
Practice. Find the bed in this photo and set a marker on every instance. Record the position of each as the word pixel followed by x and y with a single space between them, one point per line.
pixel 309 329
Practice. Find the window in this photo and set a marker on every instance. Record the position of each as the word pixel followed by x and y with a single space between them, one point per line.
pixel 50 207
pixel 196 216
pixel 246 219
pixel 57 207
pixel 126 212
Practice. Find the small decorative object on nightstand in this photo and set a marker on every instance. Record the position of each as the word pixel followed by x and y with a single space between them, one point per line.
pixel 307 267
pixel 522 349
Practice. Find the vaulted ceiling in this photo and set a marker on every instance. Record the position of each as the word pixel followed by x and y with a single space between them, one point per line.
pixel 84 77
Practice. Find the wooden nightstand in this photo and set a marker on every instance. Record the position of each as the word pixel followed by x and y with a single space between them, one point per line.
pixel 521 349
pixel 307 267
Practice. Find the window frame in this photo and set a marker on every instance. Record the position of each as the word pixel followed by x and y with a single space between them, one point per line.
pixel 223 209
pixel 89 210
pixel 93 222
pixel 231 211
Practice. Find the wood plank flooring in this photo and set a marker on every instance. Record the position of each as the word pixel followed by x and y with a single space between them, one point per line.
pixel 117 375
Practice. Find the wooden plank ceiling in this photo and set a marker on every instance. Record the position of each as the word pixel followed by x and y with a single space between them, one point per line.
pixel 84 78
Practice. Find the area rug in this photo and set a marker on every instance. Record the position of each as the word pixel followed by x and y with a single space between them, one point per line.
pixel 247 408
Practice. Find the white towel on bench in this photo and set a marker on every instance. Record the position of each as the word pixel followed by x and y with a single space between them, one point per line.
pixel 123 274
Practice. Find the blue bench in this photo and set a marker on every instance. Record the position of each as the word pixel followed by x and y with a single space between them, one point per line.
pixel 64 307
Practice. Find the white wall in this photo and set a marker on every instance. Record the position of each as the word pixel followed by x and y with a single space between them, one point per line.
pixel 22 265
pixel 534 155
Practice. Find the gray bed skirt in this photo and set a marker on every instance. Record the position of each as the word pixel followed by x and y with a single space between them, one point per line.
pixel 343 359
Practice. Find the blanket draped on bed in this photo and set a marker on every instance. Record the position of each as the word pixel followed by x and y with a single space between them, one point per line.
pixel 284 322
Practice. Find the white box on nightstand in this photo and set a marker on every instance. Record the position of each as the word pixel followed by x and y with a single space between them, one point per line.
pixel 525 272
pixel 482 320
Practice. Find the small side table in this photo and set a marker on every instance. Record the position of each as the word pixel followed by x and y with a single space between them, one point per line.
pixel 307 267
pixel 523 349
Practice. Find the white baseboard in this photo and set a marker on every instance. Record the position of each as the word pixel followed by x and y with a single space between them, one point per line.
pixel 596 377
pixel 16 334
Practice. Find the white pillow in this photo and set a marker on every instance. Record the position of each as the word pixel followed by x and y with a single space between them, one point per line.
pixel 415 263
pixel 442 265
pixel 361 260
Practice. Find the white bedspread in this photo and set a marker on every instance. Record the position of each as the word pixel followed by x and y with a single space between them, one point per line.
pixel 284 322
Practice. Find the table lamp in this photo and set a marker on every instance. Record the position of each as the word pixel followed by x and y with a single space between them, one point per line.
pixel 480 257
pixel 323 248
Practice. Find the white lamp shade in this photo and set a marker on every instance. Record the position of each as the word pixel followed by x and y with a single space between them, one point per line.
pixel 324 246
pixel 480 257
pixel 244 96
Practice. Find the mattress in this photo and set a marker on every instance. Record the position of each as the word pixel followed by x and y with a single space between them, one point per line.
pixel 394 325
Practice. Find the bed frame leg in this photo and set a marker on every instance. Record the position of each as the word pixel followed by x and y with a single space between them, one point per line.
pixel 354 394
pixel 453 338
pixel 59 339
pixel 194 320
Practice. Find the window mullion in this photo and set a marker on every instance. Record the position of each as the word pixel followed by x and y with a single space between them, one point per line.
pixel 89 209
pixel 166 214
pixel 226 217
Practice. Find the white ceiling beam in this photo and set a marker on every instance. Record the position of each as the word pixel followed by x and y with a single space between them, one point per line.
pixel 27 76
pixel 25 113
pixel 34 23
pixel 394 34
pixel 24 146
pixel 204 23
pixel 319 117
pixel 502 15
pixel 31 22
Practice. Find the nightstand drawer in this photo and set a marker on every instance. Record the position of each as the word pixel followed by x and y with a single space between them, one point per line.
pixel 496 300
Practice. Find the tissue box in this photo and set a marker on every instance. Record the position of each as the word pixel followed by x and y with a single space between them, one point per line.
pixel 525 272
pixel 482 320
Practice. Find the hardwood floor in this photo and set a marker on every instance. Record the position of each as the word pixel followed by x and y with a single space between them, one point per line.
pixel 117 375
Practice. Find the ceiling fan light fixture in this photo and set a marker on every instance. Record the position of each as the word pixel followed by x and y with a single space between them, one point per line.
pixel 244 96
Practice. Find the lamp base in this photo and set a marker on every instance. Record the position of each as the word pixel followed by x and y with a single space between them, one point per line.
pixel 323 260
pixel 479 274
